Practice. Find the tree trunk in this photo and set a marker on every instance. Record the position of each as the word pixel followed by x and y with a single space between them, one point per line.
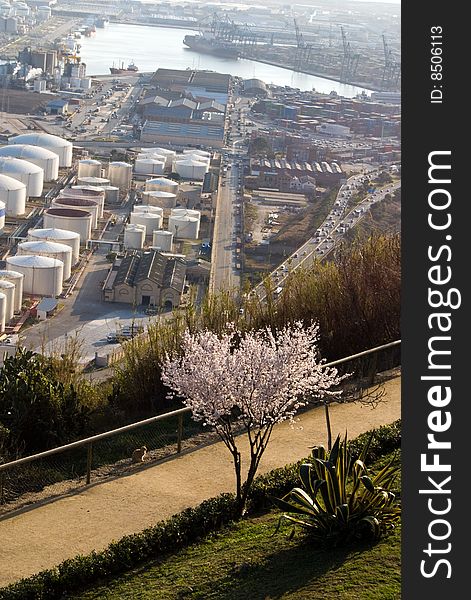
pixel 237 467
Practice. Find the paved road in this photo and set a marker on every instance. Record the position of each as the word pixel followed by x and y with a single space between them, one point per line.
pixel 41 537
pixel 224 275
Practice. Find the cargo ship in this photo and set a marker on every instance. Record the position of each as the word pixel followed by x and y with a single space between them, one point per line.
pixel 130 70
pixel 208 45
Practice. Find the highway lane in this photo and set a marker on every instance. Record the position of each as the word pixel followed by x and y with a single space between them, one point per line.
pixel 340 219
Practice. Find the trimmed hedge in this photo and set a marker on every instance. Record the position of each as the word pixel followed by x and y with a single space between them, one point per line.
pixel 174 533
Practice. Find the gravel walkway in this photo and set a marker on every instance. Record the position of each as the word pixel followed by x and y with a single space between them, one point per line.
pixel 44 536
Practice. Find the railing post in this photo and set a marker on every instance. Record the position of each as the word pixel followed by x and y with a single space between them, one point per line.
pixel 89 461
pixel 2 487
pixel 180 433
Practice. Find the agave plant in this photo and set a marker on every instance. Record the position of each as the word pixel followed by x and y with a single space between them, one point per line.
pixel 339 500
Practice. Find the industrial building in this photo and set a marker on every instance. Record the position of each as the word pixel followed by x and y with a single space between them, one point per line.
pixel 280 173
pixel 199 83
pixel 148 278
pixel 204 133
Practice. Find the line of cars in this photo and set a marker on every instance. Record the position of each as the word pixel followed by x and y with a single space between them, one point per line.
pixel 125 333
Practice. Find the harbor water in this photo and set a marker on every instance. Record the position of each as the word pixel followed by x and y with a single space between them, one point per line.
pixel 153 47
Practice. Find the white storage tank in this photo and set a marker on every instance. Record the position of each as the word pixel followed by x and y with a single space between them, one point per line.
pixel 184 227
pixel 191 169
pixel 72 219
pixel 186 212
pixel 149 166
pixel 150 220
pixel 3 311
pixel 8 288
pixel 43 275
pixel 58 145
pixel 52 249
pixel 89 168
pixel 26 172
pixel 154 210
pixel 134 236
pixel 87 204
pixel 120 174
pixel 2 214
pixel 17 279
pixel 167 156
pixel 46 159
pixel 93 181
pixel 161 184
pixel 196 158
pixel 111 194
pixel 61 236
pixel 162 239
pixel 162 199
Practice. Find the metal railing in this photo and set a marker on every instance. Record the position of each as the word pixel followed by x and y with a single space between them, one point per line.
pixel 168 439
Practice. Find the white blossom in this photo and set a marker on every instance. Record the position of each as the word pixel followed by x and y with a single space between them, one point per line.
pixel 258 379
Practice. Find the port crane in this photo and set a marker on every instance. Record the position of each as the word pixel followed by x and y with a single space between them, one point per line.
pixel 350 60
pixel 392 68
pixel 303 49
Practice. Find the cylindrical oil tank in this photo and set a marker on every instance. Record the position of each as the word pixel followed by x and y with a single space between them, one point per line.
pixel 191 169
pixel 26 172
pixel 43 275
pixel 52 249
pixel 58 145
pixel 186 212
pixel 166 159
pixel 162 199
pixel 111 194
pixel 3 311
pixel 93 181
pixel 72 219
pixel 85 191
pixel 89 168
pixel 196 158
pixel 184 227
pixel 13 194
pixel 120 174
pixel 17 279
pixel 161 184
pixel 149 166
pixel 134 236
pixel 169 154
pixel 8 288
pixel 154 210
pixel 82 204
pixel 42 157
pixel 2 214
pixel 61 236
pixel 150 220
pixel 162 239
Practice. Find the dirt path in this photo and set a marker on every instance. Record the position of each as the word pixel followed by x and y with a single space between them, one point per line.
pixel 44 536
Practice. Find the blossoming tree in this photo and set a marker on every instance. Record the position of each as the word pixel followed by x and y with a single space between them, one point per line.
pixel 255 379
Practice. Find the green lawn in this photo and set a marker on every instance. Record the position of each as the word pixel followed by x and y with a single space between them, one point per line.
pixel 247 562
